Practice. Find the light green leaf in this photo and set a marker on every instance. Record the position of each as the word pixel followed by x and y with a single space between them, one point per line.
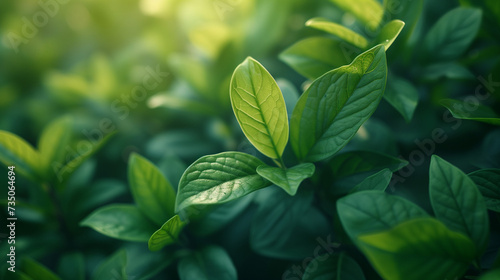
pixel 471 111
pixel 219 178
pixel 53 144
pixel 453 33
pixel 340 31
pixel 36 270
pixel 373 211
pixel 369 12
pixel 389 33
pixel 152 193
pixel 333 267
pixel 457 202
pixel 378 182
pixel 488 183
pixel 211 263
pixel 113 267
pixel 333 108
pixel 313 57
pixel 14 151
pixel 259 108
pixel 289 179
pixel 402 95
pixel 167 234
pixel 418 249
pixel 350 163
pixel 450 70
pixel 121 221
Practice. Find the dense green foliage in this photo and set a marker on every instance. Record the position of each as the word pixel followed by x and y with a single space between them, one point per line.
pixel 278 139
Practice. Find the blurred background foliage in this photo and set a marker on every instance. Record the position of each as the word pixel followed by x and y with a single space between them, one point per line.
pixel 158 71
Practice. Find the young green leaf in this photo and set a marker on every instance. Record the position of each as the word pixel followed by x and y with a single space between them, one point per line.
pixel 219 178
pixel 402 95
pixel 333 267
pixel 313 57
pixel 471 111
pixel 340 31
pixel 373 211
pixel 289 179
pixel 112 268
pixel 167 234
pixel 36 270
pixel 488 183
pixel 350 163
pixel 369 12
pixel 14 151
pixel 389 33
pixel 453 33
pixel 259 108
pixel 417 249
pixel 378 181
pixel 335 106
pixel 121 221
pixel 210 263
pixel 152 193
pixel 457 202
pixel 53 142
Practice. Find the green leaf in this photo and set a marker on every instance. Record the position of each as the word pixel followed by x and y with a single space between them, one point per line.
pixel 369 12
pixel 409 11
pixel 378 181
pixel 211 263
pixel 350 163
pixel 389 33
pixel 146 264
pixel 333 108
pixel 340 31
pixel 373 211
pixel 259 108
pixel 491 275
pixel 333 267
pixel 121 221
pixel 471 111
pixel 453 33
pixel 36 270
pixel 402 95
pixel 72 266
pixel 167 234
pixel 113 267
pixel 152 193
pixel 450 70
pixel 418 249
pixel 457 202
pixel 14 151
pixel 488 183
pixel 312 57
pixel 289 179
pixel 219 178
pixel 53 143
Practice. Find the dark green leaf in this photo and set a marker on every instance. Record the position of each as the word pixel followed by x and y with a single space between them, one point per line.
pixel 287 179
pixel 453 33
pixel 36 270
pixel 121 221
pixel 471 111
pixel 378 182
pixel 450 70
pixel 72 266
pixel 312 57
pixel 350 163
pixel 491 275
pixel 333 108
pixel 219 178
pixel 259 108
pixel 488 183
pixel 152 193
pixel 167 234
pixel 113 267
pixel 402 95
pixel 418 249
pixel 333 267
pixel 340 31
pixel 374 211
pixel 457 202
pixel 211 263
